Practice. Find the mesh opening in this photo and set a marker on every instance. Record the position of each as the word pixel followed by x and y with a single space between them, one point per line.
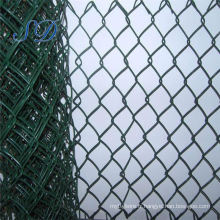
pixel 146 100
pixel 117 117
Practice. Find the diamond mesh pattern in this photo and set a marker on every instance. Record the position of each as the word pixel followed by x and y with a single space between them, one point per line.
pixel 36 151
pixel 138 99
pixel 147 92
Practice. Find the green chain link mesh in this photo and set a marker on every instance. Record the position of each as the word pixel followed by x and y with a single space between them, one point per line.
pixel 86 69
pixel 36 151
pixel 37 154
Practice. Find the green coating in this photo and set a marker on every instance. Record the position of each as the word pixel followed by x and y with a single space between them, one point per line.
pixel 100 136
pixel 36 151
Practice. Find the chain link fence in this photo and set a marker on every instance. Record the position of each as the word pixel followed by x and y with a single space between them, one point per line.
pixel 36 152
pixel 145 89
pixel 134 111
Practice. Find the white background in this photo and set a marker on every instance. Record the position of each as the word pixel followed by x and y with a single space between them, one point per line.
pixel 173 81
